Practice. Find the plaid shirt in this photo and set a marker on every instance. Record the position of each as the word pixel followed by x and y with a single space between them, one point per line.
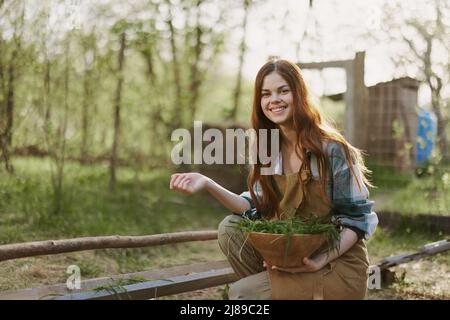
pixel 351 205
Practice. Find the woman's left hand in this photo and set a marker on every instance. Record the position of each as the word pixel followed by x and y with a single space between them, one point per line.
pixel 309 265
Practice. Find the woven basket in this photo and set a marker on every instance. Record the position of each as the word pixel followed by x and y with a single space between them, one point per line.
pixel 272 247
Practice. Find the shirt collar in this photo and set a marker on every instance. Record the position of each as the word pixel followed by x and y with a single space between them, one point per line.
pixel 278 168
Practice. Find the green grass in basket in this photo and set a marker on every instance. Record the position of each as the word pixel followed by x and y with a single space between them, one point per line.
pixel 294 226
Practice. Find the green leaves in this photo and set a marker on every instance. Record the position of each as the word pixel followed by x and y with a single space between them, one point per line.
pixel 312 225
pixel 294 226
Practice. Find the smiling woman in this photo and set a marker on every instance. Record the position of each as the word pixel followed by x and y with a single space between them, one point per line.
pixel 318 173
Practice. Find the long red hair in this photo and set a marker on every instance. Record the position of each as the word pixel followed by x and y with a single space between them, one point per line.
pixel 312 130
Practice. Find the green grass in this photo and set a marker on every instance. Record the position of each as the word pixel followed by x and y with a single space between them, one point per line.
pixel 386 242
pixel 427 278
pixel 408 194
pixel 118 286
pixel 142 204
pixel 386 178
pixel 421 196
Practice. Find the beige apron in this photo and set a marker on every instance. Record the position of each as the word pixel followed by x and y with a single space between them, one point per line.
pixel 343 278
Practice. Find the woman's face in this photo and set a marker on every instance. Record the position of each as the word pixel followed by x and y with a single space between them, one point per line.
pixel 277 101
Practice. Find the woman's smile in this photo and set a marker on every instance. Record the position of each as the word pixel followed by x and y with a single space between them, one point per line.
pixel 277 110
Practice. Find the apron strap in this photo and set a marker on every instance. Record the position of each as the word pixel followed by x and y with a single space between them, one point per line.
pixel 294 193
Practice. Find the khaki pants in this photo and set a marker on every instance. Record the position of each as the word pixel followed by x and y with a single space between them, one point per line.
pixel 246 262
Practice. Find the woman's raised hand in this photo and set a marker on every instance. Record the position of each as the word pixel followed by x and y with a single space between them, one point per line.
pixel 188 183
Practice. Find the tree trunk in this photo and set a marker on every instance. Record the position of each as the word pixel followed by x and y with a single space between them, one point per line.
pixel 6 134
pixel 117 102
pixel 237 91
pixel 2 75
pixel 435 88
pixel 85 115
pixel 3 141
pixel 177 115
pixel 48 105
pixel 195 83
pixel 10 105
pixel 5 154
pixel 60 152
pixel 89 43
pixel 147 53
pixel 432 79
pixel 441 124
pixel 154 115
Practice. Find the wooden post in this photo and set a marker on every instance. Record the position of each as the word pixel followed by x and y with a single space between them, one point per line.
pixel 357 117
pixel 349 130
pixel 356 97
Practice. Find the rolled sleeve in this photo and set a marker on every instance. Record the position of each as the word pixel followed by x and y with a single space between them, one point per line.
pixel 351 205
pixel 252 213
pixel 257 189
pixel 247 196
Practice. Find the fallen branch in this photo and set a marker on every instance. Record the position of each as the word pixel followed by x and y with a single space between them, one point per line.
pixel 427 250
pixel 38 248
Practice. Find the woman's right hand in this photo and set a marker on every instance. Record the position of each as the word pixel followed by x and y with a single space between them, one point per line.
pixel 188 183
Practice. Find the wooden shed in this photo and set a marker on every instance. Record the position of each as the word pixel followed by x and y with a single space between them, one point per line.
pixel 381 119
pixel 392 122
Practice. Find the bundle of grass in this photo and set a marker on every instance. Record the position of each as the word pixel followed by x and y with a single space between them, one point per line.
pixel 285 243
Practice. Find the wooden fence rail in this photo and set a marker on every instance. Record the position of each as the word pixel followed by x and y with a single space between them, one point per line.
pixel 156 283
pixel 38 248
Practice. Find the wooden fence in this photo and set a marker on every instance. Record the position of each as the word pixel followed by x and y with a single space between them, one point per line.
pixel 156 283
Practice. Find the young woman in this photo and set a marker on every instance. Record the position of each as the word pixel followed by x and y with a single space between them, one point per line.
pixel 318 172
